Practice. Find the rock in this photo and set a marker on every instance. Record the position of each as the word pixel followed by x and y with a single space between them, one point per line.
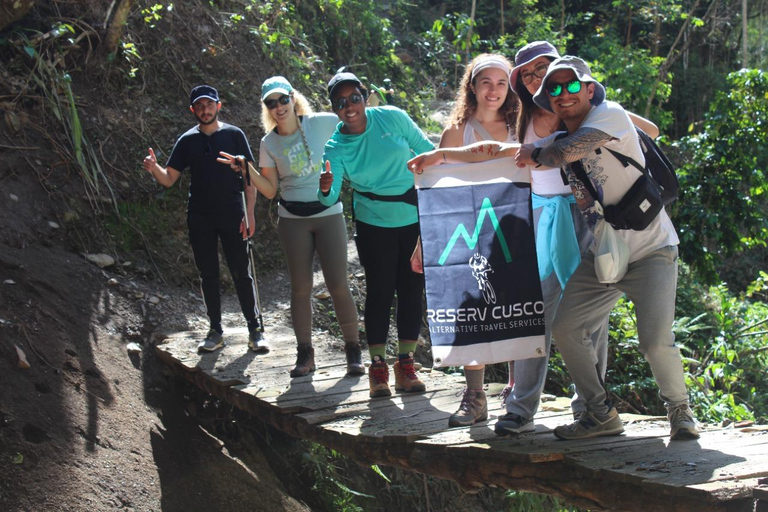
pixel 154 300
pixel 9 282
pixel 322 295
pixel 53 224
pixel 112 282
pixel 133 348
pixel 23 363
pixel 100 260
pixel 14 197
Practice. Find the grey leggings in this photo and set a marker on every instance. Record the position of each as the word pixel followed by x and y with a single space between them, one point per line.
pixel 327 235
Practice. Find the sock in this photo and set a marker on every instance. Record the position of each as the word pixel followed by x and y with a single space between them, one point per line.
pixel 405 350
pixel 475 379
pixel 217 327
pixel 377 351
pixel 511 381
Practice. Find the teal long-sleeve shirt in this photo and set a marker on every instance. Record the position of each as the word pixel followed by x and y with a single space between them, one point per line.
pixel 375 161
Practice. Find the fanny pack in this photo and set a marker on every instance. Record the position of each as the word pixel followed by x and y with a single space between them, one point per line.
pixel 301 208
pixel 409 196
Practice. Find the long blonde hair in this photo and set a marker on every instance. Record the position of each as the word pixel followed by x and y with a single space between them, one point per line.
pixel 301 107
pixel 466 101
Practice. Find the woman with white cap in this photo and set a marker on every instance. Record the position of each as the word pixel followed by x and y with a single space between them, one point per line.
pixel 485 109
pixel 290 158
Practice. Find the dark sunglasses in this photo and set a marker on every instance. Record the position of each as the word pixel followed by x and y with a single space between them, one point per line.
pixel 556 90
pixel 341 103
pixel 283 100
pixel 539 72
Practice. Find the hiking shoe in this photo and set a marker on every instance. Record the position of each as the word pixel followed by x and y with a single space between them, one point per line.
pixel 504 395
pixel 473 408
pixel 592 425
pixel 405 377
pixel 256 341
pixel 212 341
pixel 512 423
pixel 354 357
pixel 378 379
pixel 682 423
pixel 305 360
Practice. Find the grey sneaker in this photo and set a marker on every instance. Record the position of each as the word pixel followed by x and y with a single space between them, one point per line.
pixel 213 341
pixel 512 423
pixel 473 408
pixel 592 425
pixel 256 341
pixel 577 415
pixel 682 423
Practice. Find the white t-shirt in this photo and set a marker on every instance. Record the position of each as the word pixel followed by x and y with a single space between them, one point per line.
pixel 612 180
pixel 545 181
pixel 299 175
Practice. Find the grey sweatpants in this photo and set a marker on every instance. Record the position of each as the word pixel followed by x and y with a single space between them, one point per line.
pixel 327 235
pixel 531 374
pixel 651 284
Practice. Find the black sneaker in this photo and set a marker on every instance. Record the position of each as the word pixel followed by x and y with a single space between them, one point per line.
pixel 354 356
pixel 256 341
pixel 213 341
pixel 512 423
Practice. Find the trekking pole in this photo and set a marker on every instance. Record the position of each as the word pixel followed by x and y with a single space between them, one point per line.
pixel 249 238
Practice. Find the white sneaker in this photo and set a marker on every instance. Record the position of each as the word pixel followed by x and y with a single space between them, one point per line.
pixel 213 341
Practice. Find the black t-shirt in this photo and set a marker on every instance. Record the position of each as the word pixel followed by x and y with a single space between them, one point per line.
pixel 214 187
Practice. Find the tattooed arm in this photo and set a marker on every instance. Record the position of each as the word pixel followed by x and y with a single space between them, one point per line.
pixel 477 152
pixel 568 149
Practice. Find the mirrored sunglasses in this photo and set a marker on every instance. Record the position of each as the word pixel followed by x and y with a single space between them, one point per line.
pixel 556 90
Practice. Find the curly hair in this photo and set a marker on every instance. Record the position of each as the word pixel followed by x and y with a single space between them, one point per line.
pixel 301 107
pixel 466 101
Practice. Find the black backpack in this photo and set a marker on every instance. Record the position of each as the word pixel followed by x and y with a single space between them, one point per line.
pixel 657 165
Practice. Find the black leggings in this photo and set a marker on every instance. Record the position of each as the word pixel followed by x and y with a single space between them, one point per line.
pixel 205 231
pixel 385 254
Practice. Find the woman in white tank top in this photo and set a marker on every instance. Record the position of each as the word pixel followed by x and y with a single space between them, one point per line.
pixel 485 109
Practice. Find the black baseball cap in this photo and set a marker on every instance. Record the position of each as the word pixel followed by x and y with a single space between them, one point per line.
pixel 341 78
pixel 203 91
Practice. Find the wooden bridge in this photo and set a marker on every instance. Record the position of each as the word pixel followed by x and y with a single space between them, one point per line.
pixel 725 470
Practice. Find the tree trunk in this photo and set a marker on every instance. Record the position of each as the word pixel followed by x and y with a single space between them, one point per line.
pixel 469 34
pixel 744 46
pixel 115 30
pixel 13 10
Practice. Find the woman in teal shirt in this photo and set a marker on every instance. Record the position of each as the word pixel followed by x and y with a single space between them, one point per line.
pixel 370 149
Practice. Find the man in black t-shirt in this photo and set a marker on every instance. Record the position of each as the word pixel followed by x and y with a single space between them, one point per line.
pixel 215 210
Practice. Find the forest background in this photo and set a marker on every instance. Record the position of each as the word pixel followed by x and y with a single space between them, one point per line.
pixel 92 84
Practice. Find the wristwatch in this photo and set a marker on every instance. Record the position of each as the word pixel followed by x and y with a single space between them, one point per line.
pixel 535 155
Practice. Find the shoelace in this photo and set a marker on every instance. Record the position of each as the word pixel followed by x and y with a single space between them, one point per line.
pixel 354 354
pixel 303 355
pixel 681 410
pixel 468 400
pixel 408 371
pixel 505 394
pixel 380 374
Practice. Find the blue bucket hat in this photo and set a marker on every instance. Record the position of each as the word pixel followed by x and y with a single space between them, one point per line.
pixel 529 53
pixel 583 74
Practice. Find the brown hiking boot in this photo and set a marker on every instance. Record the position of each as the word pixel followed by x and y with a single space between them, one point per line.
pixel 406 378
pixel 473 408
pixel 305 361
pixel 354 359
pixel 378 378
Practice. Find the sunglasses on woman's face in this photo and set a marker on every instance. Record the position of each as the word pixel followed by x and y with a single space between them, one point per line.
pixel 341 103
pixel 283 100
pixel 556 90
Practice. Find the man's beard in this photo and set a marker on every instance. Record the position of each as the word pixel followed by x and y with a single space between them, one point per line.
pixel 213 119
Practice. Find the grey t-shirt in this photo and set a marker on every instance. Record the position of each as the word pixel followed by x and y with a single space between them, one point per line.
pixel 298 175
